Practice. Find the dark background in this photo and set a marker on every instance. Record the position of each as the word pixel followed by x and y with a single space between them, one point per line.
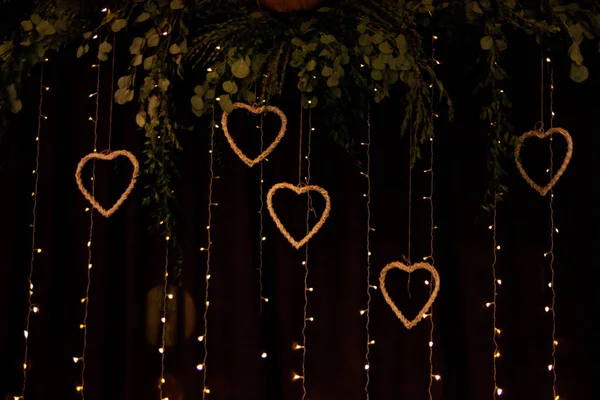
pixel 128 259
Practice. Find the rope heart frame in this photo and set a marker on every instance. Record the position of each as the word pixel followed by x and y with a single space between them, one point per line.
pixel 410 268
pixel 107 157
pixel 543 190
pixel 298 190
pixel 256 111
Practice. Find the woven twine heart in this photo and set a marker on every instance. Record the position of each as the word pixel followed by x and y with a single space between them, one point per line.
pixel 542 135
pixel 410 268
pixel 107 157
pixel 298 190
pixel 254 110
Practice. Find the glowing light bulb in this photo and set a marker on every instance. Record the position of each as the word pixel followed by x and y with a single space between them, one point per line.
pixel 499 391
pixel 208 276
pixel 550 367
pixel 430 344
pixel 437 377
pixel 35 309
pixel 81 326
pixel 79 388
pixel 499 281
pixel 497 354
pixel 25 366
pixel 263 355
pixel 200 367
pixel 498 331
pixel 75 359
pixel 209 69
pixel 498 247
pixel 311 319
pixel 206 390
pixel 163 320
pixel 200 338
pixel 161 350
pixel 372 342
pixel 362 312
pixel 104 9
pixel 367 367
pixel 427 282
pixel 555 342
pixel 488 304
pixel 264 238
pixel 170 296
pixel 296 377
pixel 310 289
pixel 546 308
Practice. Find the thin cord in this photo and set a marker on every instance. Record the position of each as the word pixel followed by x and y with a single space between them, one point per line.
pixel 496 332
pixel 203 338
pixel 301 144
pixel 30 306
pixel 112 90
pixel 432 227
pixel 553 230
pixel 86 299
pixel 369 229
pixel 308 211
pixel 163 320
pixel 260 212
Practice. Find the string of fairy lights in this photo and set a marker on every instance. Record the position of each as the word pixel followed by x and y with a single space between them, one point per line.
pixel 553 231
pixel 203 338
pixel 496 283
pixel 85 300
pixel 366 312
pixel 432 228
pixel 166 297
pixel 33 308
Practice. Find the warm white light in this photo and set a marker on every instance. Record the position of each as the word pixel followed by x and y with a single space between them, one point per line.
pixel 497 354
pixel 79 388
pixel 218 99
pixel 161 350
pixel 498 247
pixel 548 59
pixel 549 284
pixel 311 319
pixel 206 390
pixel 547 309
pixel 426 282
pixel 209 69
pixel 555 342
pixel 104 9
pixel 170 296
pixel 437 377
pixel 199 367
pixel 25 366
pixel 498 331
pixel 264 238
pixel 488 304
pixel 81 326
pixel 430 344
pixel 263 355
pixel 303 262
pixel 367 367
pixel 499 281
pixel 550 367
pixel 95 37
pixel 75 359
pixel 35 309
pixel 163 320
pixel 165 33
pixel 208 276
pixel 499 391
pixel 310 289
pixel 372 342
pixel 296 377
pixel 362 312
pixel 200 338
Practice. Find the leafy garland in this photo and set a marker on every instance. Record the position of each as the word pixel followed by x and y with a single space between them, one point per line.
pixel 342 56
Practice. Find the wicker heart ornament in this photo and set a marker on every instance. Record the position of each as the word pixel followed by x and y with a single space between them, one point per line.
pixel 254 110
pixel 298 190
pixel 543 190
pixel 107 157
pixel 410 268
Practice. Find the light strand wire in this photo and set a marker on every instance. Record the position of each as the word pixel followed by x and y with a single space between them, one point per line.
pixel 553 230
pixel 261 219
pixel 432 227
pixel 31 308
pixel 86 299
pixel 496 331
pixel 112 90
pixel 163 321
pixel 368 237
pixel 212 177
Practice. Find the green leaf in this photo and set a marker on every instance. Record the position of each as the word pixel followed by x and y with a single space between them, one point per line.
pixel 212 77
pixel 148 63
pixel 177 4
pixel 324 9
pixel 105 47
pixel 500 45
pixel 376 75
pixel 364 40
pixel 362 28
pixel 45 28
pixel 226 103
pixel 175 49
pixel 575 54
pixel 137 60
pixel 336 92
pixel 386 48
pixel 401 44
pixel 379 64
pixel 377 38
pixel 579 73
pixel 312 64
pixel 486 42
pixel 102 56
pixel 297 42
pixel 137 45
pixel 327 39
pixel 230 87
pixel 334 80
pixel 197 102
pixel 118 25
pixel 27 25
pixel 240 69
pixel 305 26
pixel 143 17
pixel 80 51
pixel 327 71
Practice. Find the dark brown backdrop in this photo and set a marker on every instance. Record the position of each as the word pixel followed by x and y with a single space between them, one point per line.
pixel 128 260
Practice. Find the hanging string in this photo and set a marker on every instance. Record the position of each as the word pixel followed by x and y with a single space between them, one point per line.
pixel 497 282
pixel 553 231
pixel 163 321
pixel 432 227
pixel 31 307
pixel 410 168
pixel 204 338
pixel 86 299
pixel 369 229
pixel 112 90
pixel 262 238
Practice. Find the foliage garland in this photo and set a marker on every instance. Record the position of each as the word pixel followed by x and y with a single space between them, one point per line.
pixel 344 55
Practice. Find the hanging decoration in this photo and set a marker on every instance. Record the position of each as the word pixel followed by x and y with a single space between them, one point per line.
pixel 300 189
pixel 254 110
pixel 410 268
pixel 108 156
pixel 543 190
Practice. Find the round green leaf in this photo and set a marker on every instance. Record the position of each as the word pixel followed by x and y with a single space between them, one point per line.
pixel 312 64
pixel 230 87
pixel 379 64
pixel 177 4
pixel 385 48
pixel 45 28
pixel 240 69
pixel 105 47
pixel 327 71
pixel 197 102
pixel 364 40
pixel 327 39
pixel 376 75
pixel 80 51
pixel 143 17
pixel 27 25
pixel 486 42
pixel 118 25
pixel 579 73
